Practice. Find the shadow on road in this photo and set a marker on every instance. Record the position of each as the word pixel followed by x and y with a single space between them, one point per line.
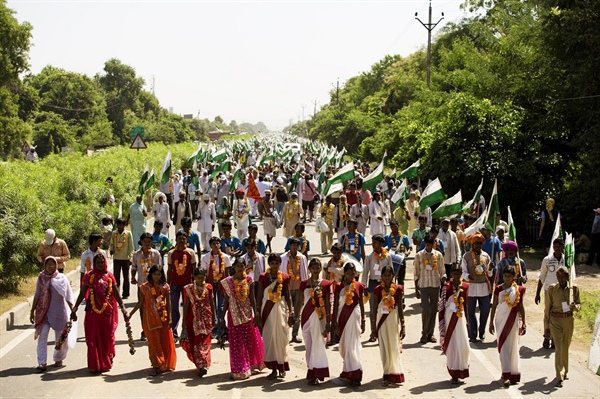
pixel 434 387
pixel 18 371
pixel 538 386
pixel 489 387
pixel 527 353
pixel 68 374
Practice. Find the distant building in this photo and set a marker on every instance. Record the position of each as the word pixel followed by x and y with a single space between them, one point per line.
pixel 188 116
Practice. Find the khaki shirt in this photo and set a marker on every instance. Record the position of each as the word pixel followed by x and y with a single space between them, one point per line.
pixel 555 297
pixel 58 249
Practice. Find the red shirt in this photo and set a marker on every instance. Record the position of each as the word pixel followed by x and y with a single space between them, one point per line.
pixel 181 269
pixel 352 198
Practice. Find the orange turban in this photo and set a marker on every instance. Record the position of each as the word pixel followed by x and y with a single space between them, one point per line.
pixel 476 237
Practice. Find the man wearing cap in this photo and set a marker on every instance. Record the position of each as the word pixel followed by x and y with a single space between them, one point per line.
pixel 223 189
pixel 595 239
pixel 560 303
pixel 452 254
pixel 428 274
pixel 207 218
pixel 241 214
pixel 177 186
pixel 477 270
pixel 371 276
pixel 137 220
pixel 281 196
pixel 548 269
pixel 291 214
pixel 53 246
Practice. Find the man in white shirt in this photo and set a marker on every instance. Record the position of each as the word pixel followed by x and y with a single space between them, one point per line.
pixel 241 214
pixel 452 253
pixel 377 215
pixel 550 265
pixel 207 218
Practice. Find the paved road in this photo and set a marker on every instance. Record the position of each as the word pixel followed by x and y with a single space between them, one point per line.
pixel 424 368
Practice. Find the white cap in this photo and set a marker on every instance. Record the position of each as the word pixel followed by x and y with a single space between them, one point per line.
pixel 206 197
pixel 50 235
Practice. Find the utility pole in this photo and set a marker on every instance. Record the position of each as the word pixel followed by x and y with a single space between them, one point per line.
pixel 429 26
pixel 315 109
pixel 337 91
pixel 303 106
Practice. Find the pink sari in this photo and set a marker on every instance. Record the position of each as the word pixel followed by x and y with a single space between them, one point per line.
pixel 245 343
pixel 100 328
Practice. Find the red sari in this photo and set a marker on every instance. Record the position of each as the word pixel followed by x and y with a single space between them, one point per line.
pixel 199 324
pixel 100 324
pixel 161 346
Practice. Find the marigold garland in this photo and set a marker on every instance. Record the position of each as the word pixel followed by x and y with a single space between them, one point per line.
pixel 119 244
pixel 146 263
pixel 290 268
pixel 276 297
pixel 204 291
pixel 129 337
pixel 180 267
pixel 241 288
pixel 320 307
pixel 388 299
pixel 435 262
pixel 291 209
pixel 217 275
pixel 517 296
pixel 347 244
pixel 458 299
pixel 476 262
pixel 93 296
pixel 382 255
pixel 304 242
pixel 343 212
pixel 349 292
pixel 161 304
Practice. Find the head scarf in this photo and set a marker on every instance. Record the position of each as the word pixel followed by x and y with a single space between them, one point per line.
pixel 60 284
pixel 100 255
pixel 510 245
pixel 478 237
pixel 550 207
pixel 98 281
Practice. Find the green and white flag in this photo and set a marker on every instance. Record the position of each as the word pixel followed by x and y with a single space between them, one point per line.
pixel 120 214
pixel 142 185
pixel 477 193
pixel 432 195
pixel 222 167
pixel 512 230
pixel 401 193
pixel 556 234
pixel 449 207
pixel 570 257
pixel 493 209
pixel 194 156
pixel 411 171
pixel 165 173
pixel 477 225
pixel 321 176
pixel 150 181
pixel 295 179
pixel 376 176
pixel 467 207
pixel 193 175
pixel 236 177
pixel 343 175
pixel 219 156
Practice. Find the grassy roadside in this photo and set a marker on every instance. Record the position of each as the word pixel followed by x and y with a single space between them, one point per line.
pixel 27 289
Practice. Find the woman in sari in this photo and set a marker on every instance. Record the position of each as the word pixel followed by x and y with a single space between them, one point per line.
pixel 155 303
pixel 245 342
pixel 349 323
pixel 508 307
pixel 454 335
pixel 388 299
pixel 200 317
pixel 276 316
pixel 101 314
pixel 50 310
pixel 314 302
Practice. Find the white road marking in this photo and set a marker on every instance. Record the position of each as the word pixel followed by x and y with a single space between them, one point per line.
pixel 16 341
pixel 236 393
pixel 512 391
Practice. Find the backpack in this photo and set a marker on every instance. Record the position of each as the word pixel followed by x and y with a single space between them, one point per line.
pixel 281 195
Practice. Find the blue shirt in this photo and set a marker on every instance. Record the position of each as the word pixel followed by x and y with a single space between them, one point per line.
pixel 388 241
pixel 261 248
pixel 505 262
pixel 193 240
pixel 232 241
pixel 492 245
pixel 160 241
pixel 302 239
pixel 355 241
pixel 440 245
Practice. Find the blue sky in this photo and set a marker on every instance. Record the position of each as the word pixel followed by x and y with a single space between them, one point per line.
pixel 245 60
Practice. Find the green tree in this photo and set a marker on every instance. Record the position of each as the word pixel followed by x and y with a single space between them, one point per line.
pixel 51 132
pixel 14 45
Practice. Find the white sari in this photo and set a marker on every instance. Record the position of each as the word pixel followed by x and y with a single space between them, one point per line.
pixel 314 341
pixel 458 351
pixel 509 349
pixel 390 344
pixel 275 332
pixel 350 346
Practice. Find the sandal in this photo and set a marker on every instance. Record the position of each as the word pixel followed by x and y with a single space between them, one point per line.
pixel 273 375
pixel 41 368
pixel 282 374
pixel 314 382
pixel 356 383
pixel 372 339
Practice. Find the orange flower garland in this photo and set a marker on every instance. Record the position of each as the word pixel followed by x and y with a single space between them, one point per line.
pixel 290 268
pixel 146 263
pixel 119 244
pixel 349 292
pixel 347 245
pixel 458 299
pixel 161 304
pixel 93 296
pixel 320 307
pixel 476 262
pixel 204 291
pixel 304 243
pixel 388 299
pixel 180 267
pixel 241 288
pixel 276 297
pixel 291 209
pixel 435 262
pixel 382 255
pixel 517 298
pixel 217 276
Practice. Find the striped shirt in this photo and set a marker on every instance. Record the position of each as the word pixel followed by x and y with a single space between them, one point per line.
pixel 425 273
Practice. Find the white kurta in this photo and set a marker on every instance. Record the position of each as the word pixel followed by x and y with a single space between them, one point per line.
pixel 375 211
pixel 161 212
pixel 207 217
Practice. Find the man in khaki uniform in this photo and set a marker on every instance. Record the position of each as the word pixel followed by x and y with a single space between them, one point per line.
pixel 558 320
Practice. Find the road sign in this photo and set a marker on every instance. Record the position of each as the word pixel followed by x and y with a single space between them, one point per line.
pixel 137 131
pixel 138 143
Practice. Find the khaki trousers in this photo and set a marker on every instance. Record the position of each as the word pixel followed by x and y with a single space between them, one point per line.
pixel 562 332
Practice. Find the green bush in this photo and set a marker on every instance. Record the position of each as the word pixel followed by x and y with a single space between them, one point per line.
pixel 590 301
pixel 68 193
